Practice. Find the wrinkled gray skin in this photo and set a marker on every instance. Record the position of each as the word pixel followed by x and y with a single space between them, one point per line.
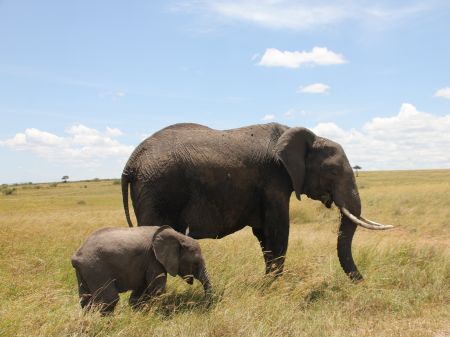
pixel 115 260
pixel 211 183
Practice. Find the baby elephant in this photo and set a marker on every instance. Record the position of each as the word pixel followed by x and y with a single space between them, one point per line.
pixel 114 260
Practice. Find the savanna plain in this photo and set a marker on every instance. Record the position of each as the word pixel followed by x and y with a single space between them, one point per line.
pixel 406 291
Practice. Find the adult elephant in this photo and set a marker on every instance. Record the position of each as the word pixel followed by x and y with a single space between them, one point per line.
pixel 210 183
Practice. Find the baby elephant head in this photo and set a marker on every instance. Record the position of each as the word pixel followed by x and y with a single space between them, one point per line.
pixel 181 255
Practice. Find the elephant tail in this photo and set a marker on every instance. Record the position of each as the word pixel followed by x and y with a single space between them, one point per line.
pixel 125 183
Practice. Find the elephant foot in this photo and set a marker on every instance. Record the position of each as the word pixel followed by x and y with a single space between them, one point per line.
pixel 108 308
pixel 85 300
pixel 355 276
pixel 275 268
pixel 137 299
pixel 275 273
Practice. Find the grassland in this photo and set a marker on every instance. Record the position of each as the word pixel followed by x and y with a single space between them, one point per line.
pixel 407 270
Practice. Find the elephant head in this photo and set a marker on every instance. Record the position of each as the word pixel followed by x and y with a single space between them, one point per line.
pixel 181 255
pixel 319 168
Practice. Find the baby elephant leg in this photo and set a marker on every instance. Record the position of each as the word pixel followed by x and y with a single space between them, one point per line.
pixel 106 297
pixel 153 287
pixel 156 278
pixel 83 291
pixel 135 299
pixel 156 285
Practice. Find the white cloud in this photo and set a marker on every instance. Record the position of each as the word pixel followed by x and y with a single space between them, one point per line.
pixel 289 113
pixel 294 112
pixel 113 132
pixel 300 15
pixel 39 138
pixel 316 88
pixel 268 117
pixel 117 94
pixel 271 14
pixel 444 93
pixel 81 146
pixel 294 59
pixel 409 140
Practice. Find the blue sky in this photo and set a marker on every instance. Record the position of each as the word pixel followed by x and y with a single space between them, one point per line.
pixel 82 83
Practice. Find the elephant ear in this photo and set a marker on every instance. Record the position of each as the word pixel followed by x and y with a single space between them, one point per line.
pixel 291 149
pixel 167 250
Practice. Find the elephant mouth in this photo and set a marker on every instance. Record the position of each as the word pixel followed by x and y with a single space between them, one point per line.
pixel 327 200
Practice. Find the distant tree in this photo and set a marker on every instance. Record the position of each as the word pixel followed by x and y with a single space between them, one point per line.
pixel 357 168
pixel 65 178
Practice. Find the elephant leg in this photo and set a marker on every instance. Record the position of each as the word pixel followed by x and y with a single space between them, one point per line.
pixel 155 284
pixel 83 291
pixel 106 297
pixel 259 233
pixel 135 297
pixel 144 205
pixel 156 279
pixel 277 242
pixel 147 216
pixel 276 234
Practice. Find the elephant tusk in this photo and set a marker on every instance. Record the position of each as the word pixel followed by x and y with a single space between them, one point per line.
pixel 373 222
pixel 363 222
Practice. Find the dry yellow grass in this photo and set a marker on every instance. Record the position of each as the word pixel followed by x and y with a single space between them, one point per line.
pixel 407 270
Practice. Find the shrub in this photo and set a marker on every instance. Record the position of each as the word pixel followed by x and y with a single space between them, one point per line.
pixel 30 186
pixel 8 191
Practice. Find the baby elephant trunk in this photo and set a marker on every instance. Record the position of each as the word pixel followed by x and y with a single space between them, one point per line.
pixel 204 279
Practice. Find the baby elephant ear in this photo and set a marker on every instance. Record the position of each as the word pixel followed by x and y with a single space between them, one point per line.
pixel 167 250
pixel 291 149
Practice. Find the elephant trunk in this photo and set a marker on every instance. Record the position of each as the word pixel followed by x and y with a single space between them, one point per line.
pixel 344 248
pixel 348 198
pixel 204 279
